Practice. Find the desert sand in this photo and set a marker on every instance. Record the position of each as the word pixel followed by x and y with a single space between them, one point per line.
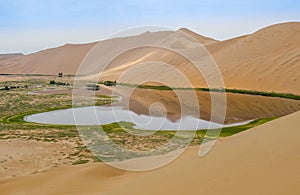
pixel 26 157
pixel 239 107
pixel 10 78
pixel 266 60
pixel 263 160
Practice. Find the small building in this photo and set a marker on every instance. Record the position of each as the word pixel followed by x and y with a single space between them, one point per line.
pixel 60 75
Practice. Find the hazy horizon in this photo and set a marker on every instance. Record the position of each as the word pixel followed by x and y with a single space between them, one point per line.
pixel 29 25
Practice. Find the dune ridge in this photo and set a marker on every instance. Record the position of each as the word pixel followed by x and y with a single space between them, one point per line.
pixel 266 60
pixel 262 160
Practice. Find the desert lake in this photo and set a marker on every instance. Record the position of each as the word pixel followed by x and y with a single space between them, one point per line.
pixel 100 115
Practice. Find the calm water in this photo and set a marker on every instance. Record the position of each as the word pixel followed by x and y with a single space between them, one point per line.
pixel 99 115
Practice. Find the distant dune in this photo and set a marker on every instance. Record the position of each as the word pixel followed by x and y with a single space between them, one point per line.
pixel 65 59
pixel 267 60
pixel 263 160
pixel 7 59
pixel 10 55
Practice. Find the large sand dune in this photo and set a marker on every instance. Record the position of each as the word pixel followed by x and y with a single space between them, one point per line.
pixel 269 59
pixel 266 60
pixel 263 160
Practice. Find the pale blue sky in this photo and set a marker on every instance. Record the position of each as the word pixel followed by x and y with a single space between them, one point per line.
pixel 31 25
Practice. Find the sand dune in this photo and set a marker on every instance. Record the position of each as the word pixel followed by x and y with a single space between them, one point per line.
pixel 11 55
pixel 80 179
pixel 238 108
pixel 200 38
pixel 51 61
pixel 269 59
pixel 263 160
pixel 266 60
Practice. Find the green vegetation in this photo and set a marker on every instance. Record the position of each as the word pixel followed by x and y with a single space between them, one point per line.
pixel 11 87
pixel 147 86
pixel 106 96
pixel 16 103
pixel 109 83
pixel 248 92
pixel 236 91
pixel 52 82
pixel 80 162
pixel 229 131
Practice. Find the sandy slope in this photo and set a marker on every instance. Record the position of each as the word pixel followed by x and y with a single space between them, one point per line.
pixel 269 59
pixel 266 60
pixel 51 61
pixel 20 158
pixel 263 160
pixel 10 78
pixel 11 55
pixel 238 108
pixel 80 179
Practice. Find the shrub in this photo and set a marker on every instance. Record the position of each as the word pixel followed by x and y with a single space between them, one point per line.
pixel 93 87
pixel 110 83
